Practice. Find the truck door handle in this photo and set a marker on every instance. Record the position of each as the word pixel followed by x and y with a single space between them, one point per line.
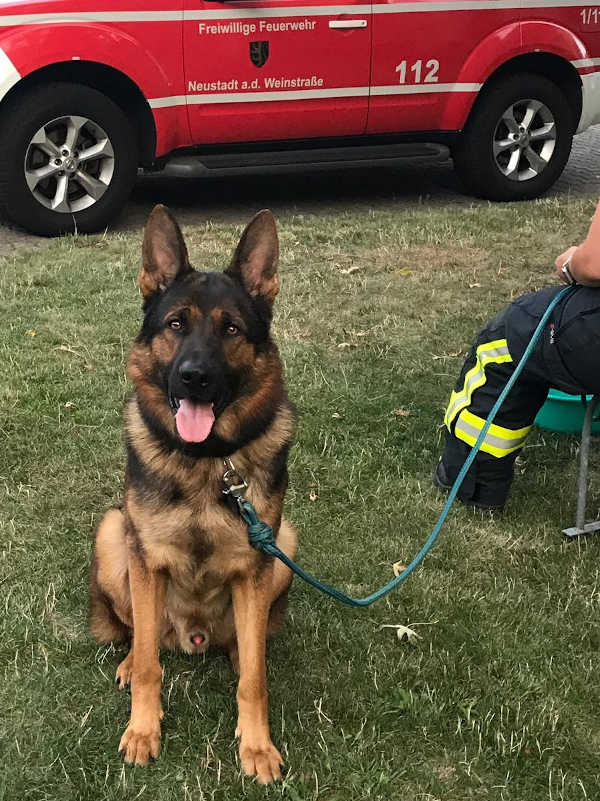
pixel 348 23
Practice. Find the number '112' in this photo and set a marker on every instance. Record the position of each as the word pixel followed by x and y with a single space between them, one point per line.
pixel 431 75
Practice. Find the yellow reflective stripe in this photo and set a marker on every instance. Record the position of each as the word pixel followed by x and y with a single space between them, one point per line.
pixel 496 430
pixel 489 352
pixel 499 441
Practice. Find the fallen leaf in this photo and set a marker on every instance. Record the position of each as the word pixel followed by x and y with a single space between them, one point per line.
pixel 403 632
pixel 69 405
pixel 448 355
pixel 68 349
pixel 313 495
pixel 400 412
pixel 398 568
pixel 30 332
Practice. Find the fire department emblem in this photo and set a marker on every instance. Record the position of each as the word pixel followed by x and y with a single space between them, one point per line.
pixel 259 53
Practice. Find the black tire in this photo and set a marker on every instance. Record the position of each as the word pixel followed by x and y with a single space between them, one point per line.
pixel 474 156
pixel 26 114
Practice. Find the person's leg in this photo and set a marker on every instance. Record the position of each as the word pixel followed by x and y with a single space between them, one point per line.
pixel 485 372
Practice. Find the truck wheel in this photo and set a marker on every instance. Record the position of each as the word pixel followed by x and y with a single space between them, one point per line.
pixel 68 159
pixel 517 139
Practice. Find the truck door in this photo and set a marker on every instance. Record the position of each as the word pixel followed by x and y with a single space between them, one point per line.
pixel 419 52
pixel 276 69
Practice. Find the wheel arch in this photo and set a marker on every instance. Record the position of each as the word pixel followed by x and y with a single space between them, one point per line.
pixel 556 68
pixel 113 83
pixel 537 47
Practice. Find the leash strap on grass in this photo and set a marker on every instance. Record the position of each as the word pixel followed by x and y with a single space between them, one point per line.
pixel 261 536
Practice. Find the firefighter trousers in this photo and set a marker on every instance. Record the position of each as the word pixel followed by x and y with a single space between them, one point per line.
pixel 566 357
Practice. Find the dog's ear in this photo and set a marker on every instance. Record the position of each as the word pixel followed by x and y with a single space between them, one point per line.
pixel 254 262
pixel 164 254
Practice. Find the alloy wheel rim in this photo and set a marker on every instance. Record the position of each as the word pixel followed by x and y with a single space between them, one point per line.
pixel 524 140
pixel 69 164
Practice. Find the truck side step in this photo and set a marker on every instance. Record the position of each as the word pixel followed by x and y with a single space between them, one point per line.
pixel 201 164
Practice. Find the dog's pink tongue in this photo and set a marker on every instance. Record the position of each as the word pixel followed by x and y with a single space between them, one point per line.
pixel 194 420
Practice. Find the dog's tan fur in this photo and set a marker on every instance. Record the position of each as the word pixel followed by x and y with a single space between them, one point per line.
pixel 166 567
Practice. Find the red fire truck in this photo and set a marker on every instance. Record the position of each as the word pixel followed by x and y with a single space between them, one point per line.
pixel 93 91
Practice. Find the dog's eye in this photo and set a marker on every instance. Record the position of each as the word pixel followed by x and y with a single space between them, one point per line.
pixel 232 329
pixel 175 323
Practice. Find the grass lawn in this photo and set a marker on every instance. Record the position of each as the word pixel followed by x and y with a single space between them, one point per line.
pixel 500 697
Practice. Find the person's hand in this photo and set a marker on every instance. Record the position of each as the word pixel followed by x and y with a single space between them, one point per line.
pixel 568 254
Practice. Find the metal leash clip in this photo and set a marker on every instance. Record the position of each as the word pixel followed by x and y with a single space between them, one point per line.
pixel 233 483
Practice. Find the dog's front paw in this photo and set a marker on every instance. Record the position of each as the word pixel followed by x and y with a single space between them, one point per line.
pixel 139 743
pixel 123 675
pixel 264 761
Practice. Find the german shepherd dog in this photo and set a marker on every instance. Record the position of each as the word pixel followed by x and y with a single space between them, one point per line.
pixel 173 567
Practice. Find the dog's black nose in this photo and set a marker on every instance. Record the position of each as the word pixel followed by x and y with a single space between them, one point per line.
pixel 194 374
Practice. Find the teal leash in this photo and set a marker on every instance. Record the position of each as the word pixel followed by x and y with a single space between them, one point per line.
pixel 260 534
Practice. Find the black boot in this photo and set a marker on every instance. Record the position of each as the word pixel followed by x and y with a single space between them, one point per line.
pixel 476 495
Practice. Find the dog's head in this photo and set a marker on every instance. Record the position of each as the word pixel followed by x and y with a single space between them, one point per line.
pixel 204 351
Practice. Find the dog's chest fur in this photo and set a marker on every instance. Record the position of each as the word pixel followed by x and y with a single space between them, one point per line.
pixel 183 524
pixel 190 531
